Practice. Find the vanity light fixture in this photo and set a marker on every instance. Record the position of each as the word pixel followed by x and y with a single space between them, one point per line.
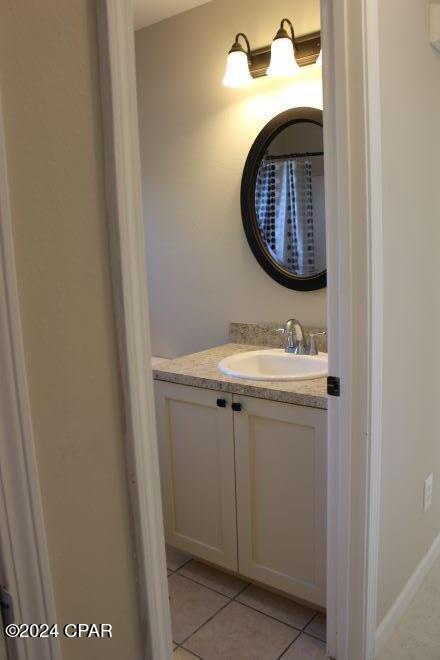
pixel 237 72
pixel 282 57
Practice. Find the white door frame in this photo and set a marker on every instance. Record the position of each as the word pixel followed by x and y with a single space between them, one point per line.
pixel 353 155
pixel 24 558
pixel 124 206
pixel 352 137
pixel 353 197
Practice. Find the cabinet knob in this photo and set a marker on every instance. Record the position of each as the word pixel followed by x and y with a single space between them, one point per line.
pixel 221 403
pixel 237 407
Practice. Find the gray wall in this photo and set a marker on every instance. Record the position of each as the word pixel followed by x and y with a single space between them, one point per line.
pixel 411 385
pixel 50 90
pixel 195 136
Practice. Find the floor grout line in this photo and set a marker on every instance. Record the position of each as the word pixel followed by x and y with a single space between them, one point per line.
pixel 212 617
pixel 251 607
pixel 289 645
pixel 300 631
pixel 311 621
pixel 290 625
pixel 301 634
pixel 310 634
pixel 204 624
pixel 216 591
pixel 174 570
pixel 240 592
pixel 318 639
pixel 179 646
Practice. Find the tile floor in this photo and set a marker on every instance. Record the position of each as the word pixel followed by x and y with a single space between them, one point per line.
pixel 216 616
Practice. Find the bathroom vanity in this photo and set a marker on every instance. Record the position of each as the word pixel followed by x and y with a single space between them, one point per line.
pixel 243 471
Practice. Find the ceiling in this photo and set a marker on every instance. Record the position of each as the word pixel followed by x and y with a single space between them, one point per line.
pixel 147 12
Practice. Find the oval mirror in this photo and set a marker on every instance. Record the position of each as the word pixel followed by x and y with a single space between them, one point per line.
pixel 282 199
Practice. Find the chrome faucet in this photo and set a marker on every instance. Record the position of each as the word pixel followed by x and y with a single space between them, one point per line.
pixel 294 337
pixel 295 341
pixel 313 348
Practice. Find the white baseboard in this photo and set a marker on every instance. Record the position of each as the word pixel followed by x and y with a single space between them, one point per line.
pixel 403 601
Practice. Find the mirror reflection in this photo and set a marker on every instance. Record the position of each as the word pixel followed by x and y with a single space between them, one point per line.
pixel 289 199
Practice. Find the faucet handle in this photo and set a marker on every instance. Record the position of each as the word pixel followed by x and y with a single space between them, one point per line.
pixel 313 350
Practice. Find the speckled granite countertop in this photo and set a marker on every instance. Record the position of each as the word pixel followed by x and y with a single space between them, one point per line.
pixel 201 370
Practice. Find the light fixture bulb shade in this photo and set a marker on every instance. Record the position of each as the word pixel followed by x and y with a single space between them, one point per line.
pixel 282 59
pixel 237 72
pixel 319 60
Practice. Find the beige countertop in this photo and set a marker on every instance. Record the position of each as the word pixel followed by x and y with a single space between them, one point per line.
pixel 201 370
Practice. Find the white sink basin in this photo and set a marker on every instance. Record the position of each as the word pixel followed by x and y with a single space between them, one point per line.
pixel 274 364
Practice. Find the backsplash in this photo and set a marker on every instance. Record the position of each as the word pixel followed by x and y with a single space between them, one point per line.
pixel 265 334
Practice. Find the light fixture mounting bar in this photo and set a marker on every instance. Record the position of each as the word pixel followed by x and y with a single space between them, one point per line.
pixel 307 49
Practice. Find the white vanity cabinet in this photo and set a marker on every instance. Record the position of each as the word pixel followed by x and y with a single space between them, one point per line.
pixel 280 453
pixel 196 452
pixel 245 489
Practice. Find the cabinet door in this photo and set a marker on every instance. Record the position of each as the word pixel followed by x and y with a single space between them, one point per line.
pixel 281 503
pixel 196 449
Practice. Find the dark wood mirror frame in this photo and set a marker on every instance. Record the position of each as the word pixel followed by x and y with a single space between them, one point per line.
pixel 248 211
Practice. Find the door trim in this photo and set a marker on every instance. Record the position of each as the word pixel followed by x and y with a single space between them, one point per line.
pixel 353 147
pixel 376 286
pixel 352 136
pixel 124 208
pixel 24 559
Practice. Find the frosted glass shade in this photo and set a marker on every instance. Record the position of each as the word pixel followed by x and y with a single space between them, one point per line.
pixel 237 72
pixel 282 59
